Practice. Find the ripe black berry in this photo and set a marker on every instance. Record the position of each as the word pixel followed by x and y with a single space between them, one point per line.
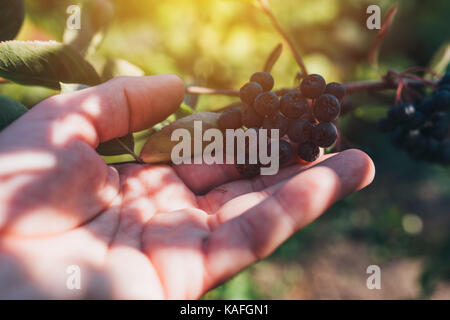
pixel 417 120
pixel 426 107
pixel 293 105
pixel 313 86
pixel 285 152
pixel 277 121
pixel 300 130
pixel 249 92
pixel 385 125
pixel 248 143
pixel 327 108
pixel 308 152
pixel 230 119
pixel 249 170
pixel 250 118
pixel 415 143
pixel 439 117
pixel 401 113
pixel 265 79
pixel 266 104
pixel 439 126
pixel 324 134
pixel 336 89
pixel 441 101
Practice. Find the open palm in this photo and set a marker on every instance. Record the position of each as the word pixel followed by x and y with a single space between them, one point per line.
pixel 141 231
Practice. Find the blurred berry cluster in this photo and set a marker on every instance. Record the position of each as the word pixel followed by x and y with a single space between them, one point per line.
pixel 421 128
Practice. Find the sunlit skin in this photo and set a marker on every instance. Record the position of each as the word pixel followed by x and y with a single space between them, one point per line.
pixel 141 231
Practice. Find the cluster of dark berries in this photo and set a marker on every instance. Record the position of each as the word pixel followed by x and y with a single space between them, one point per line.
pixel 305 115
pixel 422 128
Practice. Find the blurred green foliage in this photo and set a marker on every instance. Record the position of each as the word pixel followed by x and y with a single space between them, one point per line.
pixel 219 44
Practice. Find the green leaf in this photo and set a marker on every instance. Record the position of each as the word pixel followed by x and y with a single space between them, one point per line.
pixel 10 110
pixel 183 111
pixel 441 59
pixel 158 147
pixel 96 17
pixel 12 14
pixel 118 67
pixel 72 87
pixel 273 57
pixel 114 148
pixel 44 64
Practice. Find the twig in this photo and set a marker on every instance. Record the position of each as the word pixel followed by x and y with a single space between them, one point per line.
pixel 226 92
pixel 131 152
pixel 398 92
pixel 210 91
pixel 425 70
pixel 385 84
pixel 358 86
pixel 352 87
pixel 413 76
pixel 265 7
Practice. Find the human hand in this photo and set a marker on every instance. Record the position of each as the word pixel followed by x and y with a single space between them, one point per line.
pixel 141 231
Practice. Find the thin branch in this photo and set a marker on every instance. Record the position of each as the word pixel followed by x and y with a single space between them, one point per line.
pixel 209 91
pixel 358 86
pixel 352 87
pixel 131 152
pixel 225 92
pixel 384 84
pixel 265 7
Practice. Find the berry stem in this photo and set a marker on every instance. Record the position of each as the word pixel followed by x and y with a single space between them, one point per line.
pixel 413 76
pixel 398 93
pixel 352 87
pixel 412 94
pixel 265 7
pixel 425 70
pixel 131 152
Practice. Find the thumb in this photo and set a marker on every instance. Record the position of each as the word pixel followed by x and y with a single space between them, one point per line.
pixel 113 109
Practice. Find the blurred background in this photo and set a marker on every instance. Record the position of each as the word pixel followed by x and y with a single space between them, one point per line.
pixel 401 222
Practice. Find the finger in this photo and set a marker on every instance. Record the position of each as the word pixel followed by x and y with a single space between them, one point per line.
pixel 217 197
pixel 255 234
pixel 201 178
pixel 110 110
